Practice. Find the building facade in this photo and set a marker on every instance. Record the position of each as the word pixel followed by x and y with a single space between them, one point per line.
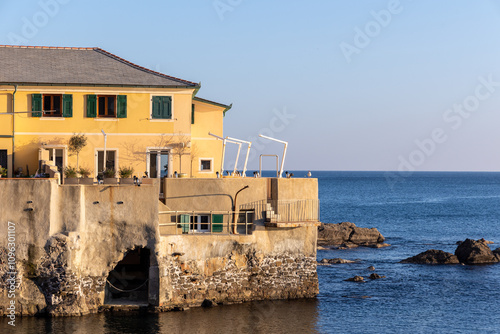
pixel 130 116
pixel 82 248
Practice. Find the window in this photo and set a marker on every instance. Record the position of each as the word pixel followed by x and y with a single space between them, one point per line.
pixel 107 106
pixel 200 223
pixel 162 107
pixel 3 158
pixel 110 160
pixel 206 165
pixel 192 114
pixel 52 105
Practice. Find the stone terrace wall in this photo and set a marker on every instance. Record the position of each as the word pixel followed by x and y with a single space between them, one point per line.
pixel 269 264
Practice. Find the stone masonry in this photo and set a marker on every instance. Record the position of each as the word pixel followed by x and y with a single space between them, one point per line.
pixel 240 277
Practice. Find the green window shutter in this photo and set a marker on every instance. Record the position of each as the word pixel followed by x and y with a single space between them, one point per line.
pixel 91 106
pixel 36 105
pixel 167 107
pixel 156 107
pixel 185 223
pixel 217 223
pixel 192 114
pixel 67 105
pixel 121 106
pixel 162 107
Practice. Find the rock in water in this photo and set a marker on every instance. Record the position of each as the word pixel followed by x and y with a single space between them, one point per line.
pixel 432 256
pixel 348 234
pixel 355 279
pixel 336 261
pixel 375 276
pixel 475 252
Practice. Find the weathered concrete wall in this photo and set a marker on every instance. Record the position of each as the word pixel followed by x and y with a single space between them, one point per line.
pixel 212 194
pixel 69 239
pixel 218 194
pixel 295 188
pixel 269 264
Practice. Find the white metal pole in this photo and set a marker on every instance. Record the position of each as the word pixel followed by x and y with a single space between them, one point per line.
pixel 104 159
pixel 284 151
pixel 237 157
pixel 223 156
pixel 249 143
pixel 283 160
pixel 223 151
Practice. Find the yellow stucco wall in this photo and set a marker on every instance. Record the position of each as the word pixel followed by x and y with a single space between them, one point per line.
pixel 207 118
pixel 131 137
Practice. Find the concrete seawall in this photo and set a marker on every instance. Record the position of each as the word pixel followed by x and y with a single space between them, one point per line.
pixel 67 242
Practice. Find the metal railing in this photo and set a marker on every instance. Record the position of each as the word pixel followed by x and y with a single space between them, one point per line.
pixel 207 222
pixel 296 210
pixel 285 210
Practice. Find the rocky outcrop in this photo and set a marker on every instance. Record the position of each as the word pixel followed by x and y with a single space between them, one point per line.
pixel 468 252
pixel 335 261
pixel 476 252
pixel 432 256
pixel 348 235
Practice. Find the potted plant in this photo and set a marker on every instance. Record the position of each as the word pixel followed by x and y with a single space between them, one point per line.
pixel 70 175
pixel 126 175
pixel 85 176
pixel 110 176
pixel 3 172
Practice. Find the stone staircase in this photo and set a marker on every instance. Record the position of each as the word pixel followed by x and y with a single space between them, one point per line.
pixel 271 216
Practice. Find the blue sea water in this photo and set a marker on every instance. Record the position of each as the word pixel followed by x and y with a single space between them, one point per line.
pixel 415 213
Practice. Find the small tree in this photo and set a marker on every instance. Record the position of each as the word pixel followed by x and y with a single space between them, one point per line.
pixel 76 144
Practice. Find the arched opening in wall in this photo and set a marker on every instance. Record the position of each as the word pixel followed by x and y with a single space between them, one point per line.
pixel 128 282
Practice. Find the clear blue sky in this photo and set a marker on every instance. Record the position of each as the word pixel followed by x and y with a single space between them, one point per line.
pixel 362 92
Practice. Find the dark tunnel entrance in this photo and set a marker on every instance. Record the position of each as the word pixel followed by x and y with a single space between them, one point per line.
pixel 128 283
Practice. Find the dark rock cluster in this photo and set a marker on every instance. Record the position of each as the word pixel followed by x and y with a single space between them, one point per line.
pixel 348 235
pixel 468 252
pixel 433 256
pixel 336 261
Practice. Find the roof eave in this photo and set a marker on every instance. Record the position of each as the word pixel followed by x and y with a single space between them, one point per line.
pixel 95 85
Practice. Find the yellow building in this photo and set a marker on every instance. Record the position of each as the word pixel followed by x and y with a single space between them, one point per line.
pixel 130 115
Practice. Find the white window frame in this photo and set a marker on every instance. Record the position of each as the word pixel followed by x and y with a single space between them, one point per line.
pixel 151 119
pixel 156 149
pixel 96 160
pixel 204 170
pixel 59 147
pixel 197 223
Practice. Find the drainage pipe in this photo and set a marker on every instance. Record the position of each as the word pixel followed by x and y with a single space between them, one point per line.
pixel 11 170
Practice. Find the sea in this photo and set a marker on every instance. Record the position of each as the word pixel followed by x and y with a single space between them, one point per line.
pixel 414 212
